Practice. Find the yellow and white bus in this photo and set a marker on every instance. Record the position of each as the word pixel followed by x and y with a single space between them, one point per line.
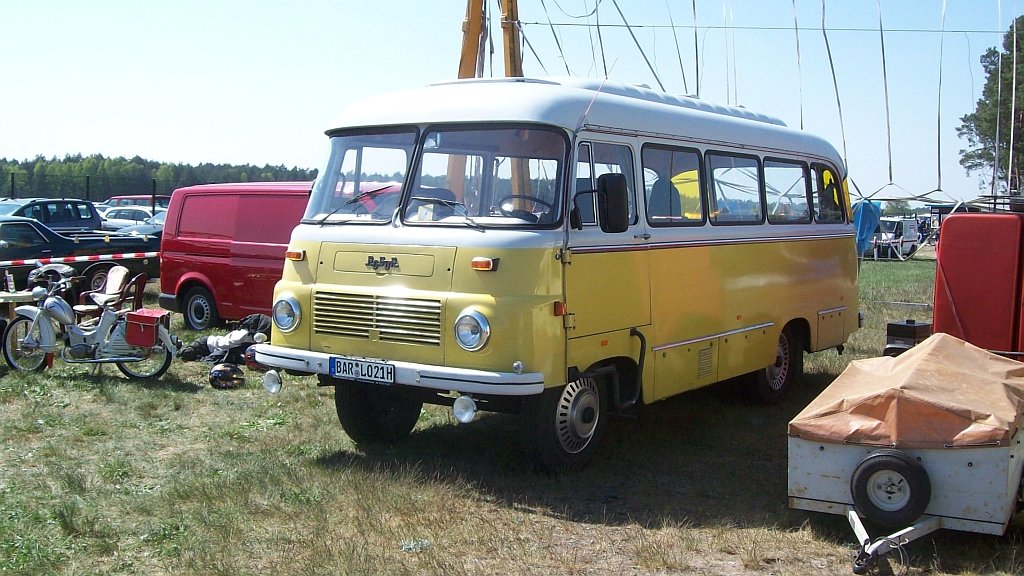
pixel 564 249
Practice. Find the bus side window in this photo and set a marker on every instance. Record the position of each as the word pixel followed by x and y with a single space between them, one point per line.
pixel 594 159
pixel 736 181
pixel 785 185
pixel 585 181
pixel 672 180
pixel 827 194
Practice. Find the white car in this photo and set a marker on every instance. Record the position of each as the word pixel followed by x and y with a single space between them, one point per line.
pixel 117 218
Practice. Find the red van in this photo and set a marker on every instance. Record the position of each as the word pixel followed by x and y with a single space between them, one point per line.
pixel 223 248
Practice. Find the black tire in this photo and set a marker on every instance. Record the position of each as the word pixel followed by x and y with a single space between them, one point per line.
pixel 199 309
pixel 154 366
pixel 566 425
pixel 32 360
pixel 890 488
pixel 97 278
pixel 771 384
pixel 372 414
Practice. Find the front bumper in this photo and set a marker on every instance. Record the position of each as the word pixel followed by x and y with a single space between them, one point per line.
pixel 427 376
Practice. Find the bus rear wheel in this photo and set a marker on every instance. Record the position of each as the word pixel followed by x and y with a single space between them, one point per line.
pixel 566 425
pixel 772 383
pixel 370 413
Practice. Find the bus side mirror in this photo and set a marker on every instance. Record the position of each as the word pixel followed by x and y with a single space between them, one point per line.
pixel 613 203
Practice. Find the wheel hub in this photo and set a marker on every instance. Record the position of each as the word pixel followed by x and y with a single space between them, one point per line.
pixel 888 490
pixel 577 415
pixel 777 372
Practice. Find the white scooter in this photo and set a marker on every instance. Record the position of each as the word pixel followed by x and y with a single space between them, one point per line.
pixel 138 343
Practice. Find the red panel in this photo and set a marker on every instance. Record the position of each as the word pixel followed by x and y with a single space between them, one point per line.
pixel 978 280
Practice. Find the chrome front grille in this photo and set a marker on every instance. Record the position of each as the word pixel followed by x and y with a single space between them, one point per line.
pixel 378 318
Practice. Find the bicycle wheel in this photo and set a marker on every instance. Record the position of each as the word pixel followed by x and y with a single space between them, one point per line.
pixel 156 362
pixel 21 346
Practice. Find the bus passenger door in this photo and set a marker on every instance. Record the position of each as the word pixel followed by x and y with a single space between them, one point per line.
pixel 606 275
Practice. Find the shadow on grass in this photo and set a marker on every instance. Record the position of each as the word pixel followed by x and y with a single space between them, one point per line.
pixel 705 458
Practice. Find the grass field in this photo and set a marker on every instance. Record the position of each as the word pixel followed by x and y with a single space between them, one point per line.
pixel 100 475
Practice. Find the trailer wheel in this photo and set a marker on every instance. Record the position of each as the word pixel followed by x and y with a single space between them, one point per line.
pixel 890 488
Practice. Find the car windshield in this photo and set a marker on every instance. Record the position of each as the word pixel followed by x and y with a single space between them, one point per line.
pixel 363 179
pixel 157 218
pixel 492 176
pixel 8 208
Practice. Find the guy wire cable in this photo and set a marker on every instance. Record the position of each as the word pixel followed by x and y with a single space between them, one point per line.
pixel 696 52
pixel 835 84
pixel 600 41
pixel 938 113
pixel 735 78
pixel 885 89
pixel 526 41
pixel 999 103
pixel 679 53
pixel 555 36
pixel 1010 165
pixel 638 46
pixel 799 69
pixel 725 22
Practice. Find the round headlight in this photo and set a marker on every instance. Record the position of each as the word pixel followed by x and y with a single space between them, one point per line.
pixel 472 330
pixel 287 314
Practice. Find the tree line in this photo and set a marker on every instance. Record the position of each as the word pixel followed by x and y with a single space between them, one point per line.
pixel 97 177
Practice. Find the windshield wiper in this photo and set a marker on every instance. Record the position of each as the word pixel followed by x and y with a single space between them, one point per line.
pixel 368 194
pixel 459 207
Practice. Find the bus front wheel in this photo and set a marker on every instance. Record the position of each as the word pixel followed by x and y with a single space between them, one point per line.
pixel 370 413
pixel 567 424
pixel 770 384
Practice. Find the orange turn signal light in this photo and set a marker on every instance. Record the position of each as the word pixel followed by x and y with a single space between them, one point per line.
pixel 297 255
pixel 484 264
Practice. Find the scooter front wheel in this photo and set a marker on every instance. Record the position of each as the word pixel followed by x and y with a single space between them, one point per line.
pixel 153 366
pixel 19 356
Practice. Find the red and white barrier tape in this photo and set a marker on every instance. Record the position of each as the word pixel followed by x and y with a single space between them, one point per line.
pixel 67 259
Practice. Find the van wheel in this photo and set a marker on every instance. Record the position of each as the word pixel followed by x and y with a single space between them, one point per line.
pixel 199 309
pixel 770 384
pixel 567 424
pixel 371 413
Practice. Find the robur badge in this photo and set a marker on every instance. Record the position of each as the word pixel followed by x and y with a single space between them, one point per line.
pixel 382 263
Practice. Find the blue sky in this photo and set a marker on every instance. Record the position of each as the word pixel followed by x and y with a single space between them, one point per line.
pixel 258 81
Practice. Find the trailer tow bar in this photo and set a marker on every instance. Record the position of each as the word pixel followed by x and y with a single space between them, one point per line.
pixel 870 551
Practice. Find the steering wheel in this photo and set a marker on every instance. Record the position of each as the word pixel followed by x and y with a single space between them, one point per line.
pixel 523 214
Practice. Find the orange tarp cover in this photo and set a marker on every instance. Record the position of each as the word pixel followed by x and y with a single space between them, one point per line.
pixel 942 392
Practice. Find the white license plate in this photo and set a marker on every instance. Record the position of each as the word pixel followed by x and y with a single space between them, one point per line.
pixel 363 370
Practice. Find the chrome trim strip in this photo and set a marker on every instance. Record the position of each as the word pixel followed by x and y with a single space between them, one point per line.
pixel 705 242
pixel 831 310
pixel 412 374
pixel 712 336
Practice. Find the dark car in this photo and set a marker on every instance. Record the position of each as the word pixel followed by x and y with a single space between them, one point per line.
pixel 154 226
pixel 62 215
pixel 27 239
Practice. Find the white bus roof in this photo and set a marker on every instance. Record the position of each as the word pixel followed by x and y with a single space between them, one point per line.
pixel 572 103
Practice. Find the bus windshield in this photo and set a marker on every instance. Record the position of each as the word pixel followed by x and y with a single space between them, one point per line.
pixel 487 176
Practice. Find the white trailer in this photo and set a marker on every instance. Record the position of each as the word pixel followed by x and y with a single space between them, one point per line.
pixel 930 439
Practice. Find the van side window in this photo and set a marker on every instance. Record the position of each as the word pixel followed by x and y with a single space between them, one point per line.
pixel 736 185
pixel 259 218
pixel 827 194
pixel 673 186
pixel 785 189
pixel 594 159
pixel 203 217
